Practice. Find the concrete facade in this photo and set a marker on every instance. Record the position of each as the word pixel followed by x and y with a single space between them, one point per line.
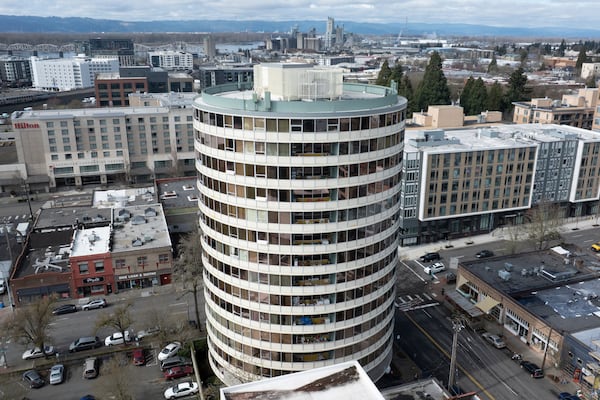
pixel 299 189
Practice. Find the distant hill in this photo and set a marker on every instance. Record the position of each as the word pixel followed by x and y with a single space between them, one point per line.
pixel 16 24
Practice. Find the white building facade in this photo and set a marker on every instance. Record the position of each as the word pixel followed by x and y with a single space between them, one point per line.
pixel 299 195
pixel 172 60
pixel 60 74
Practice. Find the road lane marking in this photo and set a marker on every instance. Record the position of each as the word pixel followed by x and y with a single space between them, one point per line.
pixel 411 270
pixel 177 304
pixel 440 348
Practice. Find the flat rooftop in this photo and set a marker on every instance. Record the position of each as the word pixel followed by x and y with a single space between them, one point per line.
pixel 49 256
pixel 558 286
pixel 178 194
pixel 493 137
pixel 52 218
pixel 87 242
pixel 139 227
pixel 123 197
pixel 346 381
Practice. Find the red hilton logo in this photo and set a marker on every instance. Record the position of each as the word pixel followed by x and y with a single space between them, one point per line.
pixel 26 125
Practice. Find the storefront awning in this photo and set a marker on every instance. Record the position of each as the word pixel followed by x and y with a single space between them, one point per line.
pixel 463 303
pixel 486 304
pixel 461 281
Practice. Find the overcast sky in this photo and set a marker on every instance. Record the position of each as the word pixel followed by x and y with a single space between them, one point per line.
pixel 523 13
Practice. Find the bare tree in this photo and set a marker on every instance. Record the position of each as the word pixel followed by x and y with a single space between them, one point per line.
pixel 188 268
pixel 170 327
pixel 514 237
pixel 120 319
pixel 119 378
pixel 544 221
pixel 30 324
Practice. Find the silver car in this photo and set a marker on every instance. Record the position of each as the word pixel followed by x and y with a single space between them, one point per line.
pixel 93 304
pixel 57 374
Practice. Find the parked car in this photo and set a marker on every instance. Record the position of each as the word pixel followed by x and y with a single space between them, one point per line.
pixel 85 343
pixel 57 373
pixel 175 361
pixel 435 268
pixel 139 356
pixel 596 247
pixel 33 379
pixel 147 332
pixel 567 396
pixel 90 368
pixel 36 352
pixel 427 257
pixel 93 304
pixel 178 372
pixel 494 340
pixel 533 369
pixel 116 338
pixel 169 351
pixel 485 254
pixel 181 390
pixel 65 309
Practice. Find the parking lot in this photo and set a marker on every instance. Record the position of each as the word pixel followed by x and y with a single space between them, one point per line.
pixel 116 373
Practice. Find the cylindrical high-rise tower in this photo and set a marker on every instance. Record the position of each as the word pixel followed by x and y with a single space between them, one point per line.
pixel 299 182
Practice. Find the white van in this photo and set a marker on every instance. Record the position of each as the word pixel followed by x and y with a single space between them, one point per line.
pixel 90 368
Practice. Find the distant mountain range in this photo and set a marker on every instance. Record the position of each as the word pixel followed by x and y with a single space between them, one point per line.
pixel 17 24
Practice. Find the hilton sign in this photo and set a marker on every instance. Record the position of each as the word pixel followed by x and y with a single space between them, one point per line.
pixel 26 125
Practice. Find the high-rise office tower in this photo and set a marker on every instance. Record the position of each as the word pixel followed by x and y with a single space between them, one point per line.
pixel 299 195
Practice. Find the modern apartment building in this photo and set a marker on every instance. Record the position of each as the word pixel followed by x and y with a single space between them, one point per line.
pixel 172 60
pixel 102 145
pixel 299 198
pixel 219 75
pixel 120 48
pixel 589 70
pixel 573 110
pixel 463 182
pixel 69 73
pixel 15 70
pixel 113 91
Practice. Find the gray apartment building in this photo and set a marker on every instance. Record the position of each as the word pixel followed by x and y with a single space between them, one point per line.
pixel 462 182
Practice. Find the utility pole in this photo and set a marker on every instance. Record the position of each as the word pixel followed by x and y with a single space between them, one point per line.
pixel 546 348
pixel 25 187
pixel 457 326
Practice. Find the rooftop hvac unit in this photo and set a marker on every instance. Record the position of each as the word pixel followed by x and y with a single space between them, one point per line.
pixel 504 275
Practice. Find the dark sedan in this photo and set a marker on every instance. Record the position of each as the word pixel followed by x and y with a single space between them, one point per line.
pixel 485 254
pixel 33 379
pixel 65 309
pixel 533 369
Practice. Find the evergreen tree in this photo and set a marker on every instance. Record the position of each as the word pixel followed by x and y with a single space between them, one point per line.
pixel 465 96
pixel 561 49
pixel 516 88
pixel 479 97
pixel 405 89
pixel 383 78
pixel 494 98
pixel 433 89
pixel 581 58
pixel 591 81
pixel 493 66
pixel 396 74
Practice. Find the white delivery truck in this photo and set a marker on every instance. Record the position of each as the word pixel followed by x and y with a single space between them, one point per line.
pixel 22 229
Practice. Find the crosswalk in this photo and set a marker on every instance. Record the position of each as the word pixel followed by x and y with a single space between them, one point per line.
pixel 10 219
pixel 415 301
